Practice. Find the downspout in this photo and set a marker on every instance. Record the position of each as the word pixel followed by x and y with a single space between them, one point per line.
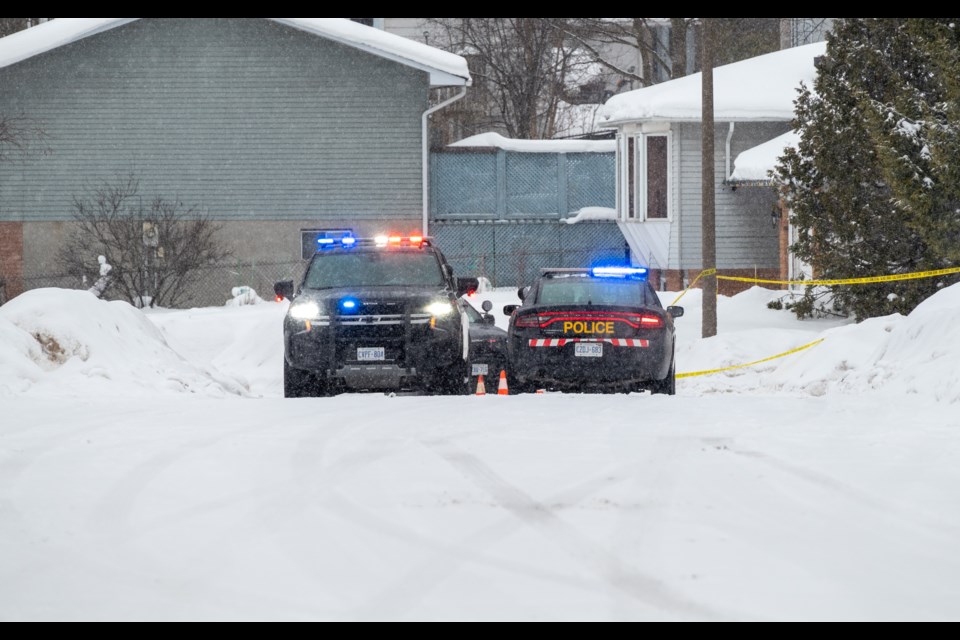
pixel 425 160
pixel 729 138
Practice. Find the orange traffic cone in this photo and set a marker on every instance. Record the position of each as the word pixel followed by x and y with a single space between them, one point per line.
pixel 481 387
pixel 503 390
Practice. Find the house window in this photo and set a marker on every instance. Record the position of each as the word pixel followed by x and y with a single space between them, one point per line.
pixel 643 163
pixel 631 178
pixel 657 184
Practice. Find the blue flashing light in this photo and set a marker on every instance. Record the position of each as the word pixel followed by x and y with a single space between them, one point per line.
pixel 349 305
pixel 326 243
pixel 349 242
pixel 636 273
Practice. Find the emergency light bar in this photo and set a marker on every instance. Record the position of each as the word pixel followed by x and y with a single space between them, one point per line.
pixel 636 273
pixel 346 242
pixel 349 242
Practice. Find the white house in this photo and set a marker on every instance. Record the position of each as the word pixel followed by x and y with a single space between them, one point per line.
pixel 659 161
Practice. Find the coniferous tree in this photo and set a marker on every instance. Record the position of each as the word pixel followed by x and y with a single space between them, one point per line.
pixel 865 185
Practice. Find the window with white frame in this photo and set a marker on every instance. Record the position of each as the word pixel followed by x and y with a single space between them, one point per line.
pixel 656 162
pixel 645 176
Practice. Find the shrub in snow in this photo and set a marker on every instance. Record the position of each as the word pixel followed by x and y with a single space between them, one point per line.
pixel 156 247
pixel 874 183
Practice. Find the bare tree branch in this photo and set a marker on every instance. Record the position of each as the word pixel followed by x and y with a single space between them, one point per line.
pixel 112 220
pixel 21 137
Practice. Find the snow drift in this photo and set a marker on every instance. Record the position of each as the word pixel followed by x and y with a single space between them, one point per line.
pixel 61 342
pixel 71 343
pixel 916 354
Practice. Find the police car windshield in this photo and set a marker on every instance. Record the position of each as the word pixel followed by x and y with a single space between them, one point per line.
pixel 584 290
pixel 374 269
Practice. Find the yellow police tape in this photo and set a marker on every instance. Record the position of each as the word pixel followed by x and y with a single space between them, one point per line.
pixel 919 275
pixel 703 274
pixel 695 374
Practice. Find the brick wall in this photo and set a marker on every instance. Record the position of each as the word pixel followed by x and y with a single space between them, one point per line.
pixel 11 258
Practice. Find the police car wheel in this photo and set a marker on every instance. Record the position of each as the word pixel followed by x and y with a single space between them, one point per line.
pixel 451 381
pixel 302 384
pixel 667 386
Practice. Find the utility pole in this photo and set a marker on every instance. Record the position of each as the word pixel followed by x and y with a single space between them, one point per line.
pixel 708 185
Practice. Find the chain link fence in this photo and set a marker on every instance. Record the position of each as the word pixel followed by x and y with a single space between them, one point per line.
pixel 513 254
pixel 483 184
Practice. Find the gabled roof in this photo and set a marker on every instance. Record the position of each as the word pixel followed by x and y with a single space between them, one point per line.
pixel 445 69
pixel 757 89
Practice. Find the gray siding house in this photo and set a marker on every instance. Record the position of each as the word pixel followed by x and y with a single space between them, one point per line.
pixel 275 126
pixel 659 166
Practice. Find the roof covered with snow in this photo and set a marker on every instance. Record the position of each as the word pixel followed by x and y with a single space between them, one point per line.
pixel 759 89
pixel 445 69
pixel 755 165
pixel 497 141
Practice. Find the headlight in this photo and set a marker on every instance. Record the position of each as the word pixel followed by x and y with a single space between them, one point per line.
pixel 439 309
pixel 305 311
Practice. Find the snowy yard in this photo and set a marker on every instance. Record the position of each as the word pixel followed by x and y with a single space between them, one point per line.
pixel 150 470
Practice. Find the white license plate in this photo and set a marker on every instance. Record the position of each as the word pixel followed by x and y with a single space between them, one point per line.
pixel 371 354
pixel 480 370
pixel 588 349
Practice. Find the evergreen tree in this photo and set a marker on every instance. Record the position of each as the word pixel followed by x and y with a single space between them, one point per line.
pixel 868 182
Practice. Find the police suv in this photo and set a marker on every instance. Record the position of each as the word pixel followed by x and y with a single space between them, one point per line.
pixel 376 314
pixel 592 329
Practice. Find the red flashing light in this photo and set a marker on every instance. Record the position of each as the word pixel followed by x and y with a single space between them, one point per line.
pixel 416 240
pixel 528 322
pixel 395 239
pixel 279 298
pixel 651 322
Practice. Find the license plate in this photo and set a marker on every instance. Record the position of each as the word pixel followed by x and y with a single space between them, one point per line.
pixel 371 354
pixel 588 349
pixel 480 370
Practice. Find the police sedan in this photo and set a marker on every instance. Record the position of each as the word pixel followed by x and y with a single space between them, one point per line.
pixel 600 329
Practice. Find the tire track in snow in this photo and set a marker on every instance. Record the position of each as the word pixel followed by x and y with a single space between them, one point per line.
pixel 538 516
pixel 446 557
pixel 850 492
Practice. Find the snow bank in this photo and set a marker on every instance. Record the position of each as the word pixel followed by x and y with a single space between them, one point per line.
pixel 69 343
pixel 244 296
pixel 893 355
pixel 591 213
pixel 245 343
pixel 497 141
pixel 64 342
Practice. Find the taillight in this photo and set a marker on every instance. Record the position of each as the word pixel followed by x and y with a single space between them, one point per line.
pixel 650 321
pixel 527 322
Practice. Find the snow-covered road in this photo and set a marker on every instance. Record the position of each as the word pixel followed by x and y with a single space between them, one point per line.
pixel 559 507
pixel 149 471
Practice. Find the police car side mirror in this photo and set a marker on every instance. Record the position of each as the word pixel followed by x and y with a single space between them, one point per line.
pixel 522 292
pixel 510 309
pixel 466 286
pixel 284 290
pixel 676 312
pixel 487 306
